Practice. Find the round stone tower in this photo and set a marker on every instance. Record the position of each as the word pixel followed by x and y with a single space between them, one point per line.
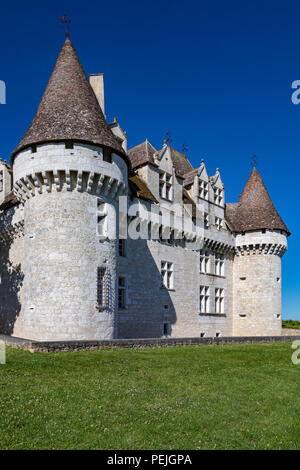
pixel 261 240
pixel 69 170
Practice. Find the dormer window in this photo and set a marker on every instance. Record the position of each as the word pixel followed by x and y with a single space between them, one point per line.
pixel 203 189
pixel 218 196
pixel 165 186
pixel 218 223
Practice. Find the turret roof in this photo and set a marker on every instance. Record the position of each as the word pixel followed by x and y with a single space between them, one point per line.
pixel 255 209
pixel 141 154
pixel 69 109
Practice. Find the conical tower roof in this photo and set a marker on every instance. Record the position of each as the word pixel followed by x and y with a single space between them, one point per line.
pixel 255 209
pixel 69 109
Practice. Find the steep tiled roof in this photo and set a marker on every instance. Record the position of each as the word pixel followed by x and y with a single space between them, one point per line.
pixel 141 189
pixel 189 177
pixel 69 109
pixel 141 154
pixel 180 163
pixel 255 209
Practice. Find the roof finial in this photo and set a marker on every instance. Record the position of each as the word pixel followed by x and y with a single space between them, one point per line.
pixel 254 161
pixel 184 148
pixel 168 137
pixel 65 22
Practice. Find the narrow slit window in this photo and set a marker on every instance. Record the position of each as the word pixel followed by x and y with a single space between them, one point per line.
pixel 122 293
pixel 101 287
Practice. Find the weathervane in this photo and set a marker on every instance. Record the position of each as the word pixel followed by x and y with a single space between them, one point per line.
pixel 184 148
pixel 65 22
pixel 254 161
pixel 168 137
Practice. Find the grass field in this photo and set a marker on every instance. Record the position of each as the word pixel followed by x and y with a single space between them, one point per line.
pixel 207 397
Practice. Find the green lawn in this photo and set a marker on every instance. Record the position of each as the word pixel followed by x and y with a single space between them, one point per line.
pixel 207 397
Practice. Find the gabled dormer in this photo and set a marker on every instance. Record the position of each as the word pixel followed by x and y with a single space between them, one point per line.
pixel 203 182
pixel 218 196
pixel 166 174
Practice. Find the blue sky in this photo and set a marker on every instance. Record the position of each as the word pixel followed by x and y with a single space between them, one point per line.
pixel 217 75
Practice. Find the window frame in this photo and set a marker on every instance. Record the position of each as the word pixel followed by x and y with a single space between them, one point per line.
pixel 122 293
pixel 204 262
pixel 167 274
pixel 219 265
pixel 203 191
pixel 204 299
pixel 165 185
pixel 219 300
pixel 101 287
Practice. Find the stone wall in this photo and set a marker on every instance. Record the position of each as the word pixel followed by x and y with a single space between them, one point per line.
pixel 52 346
pixel 257 283
pixel 150 305
pixel 11 270
pixel 60 189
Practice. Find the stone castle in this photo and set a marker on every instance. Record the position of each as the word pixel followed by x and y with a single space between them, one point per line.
pixel 101 242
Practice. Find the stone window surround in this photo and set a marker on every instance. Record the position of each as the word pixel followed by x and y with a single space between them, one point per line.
pixel 122 247
pixel 218 196
pixel 219 299
pixel 203 190
pixel 165 186
pixel 219 265
pixel 204 262
pixel 101 287
pixel 167 274
pixel 219 223
pixel 204 299
pixel 122 300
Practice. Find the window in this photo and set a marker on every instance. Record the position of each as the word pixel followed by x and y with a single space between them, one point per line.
pixel 219 300
pixel 203 189
pixel 166 329
pixel 218 196
pixel 204 262
pixel 167 274
pixel 206 220
pixel 122 247
pixel 204 299
pixel 101 219
pixel 165 186
pixel 219 223
pixel 107 155
pixel 122 293
pixel 69 144
pixel 219 265
pixel 1 181
pixel 101 287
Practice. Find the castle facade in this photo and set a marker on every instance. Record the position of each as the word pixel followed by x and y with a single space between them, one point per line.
pixel 101 242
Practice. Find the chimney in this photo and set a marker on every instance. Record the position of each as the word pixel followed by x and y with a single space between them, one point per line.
pixel 97 83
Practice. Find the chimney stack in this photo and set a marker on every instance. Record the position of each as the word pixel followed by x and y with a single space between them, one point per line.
pixel 97 83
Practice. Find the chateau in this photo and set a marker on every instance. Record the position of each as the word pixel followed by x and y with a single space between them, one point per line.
pixel 101 242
